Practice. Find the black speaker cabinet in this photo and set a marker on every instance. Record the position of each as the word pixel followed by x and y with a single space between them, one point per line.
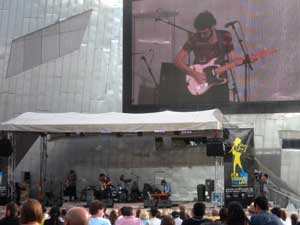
pixel 172 83
pixel 201 192
pixel 214 147
pixel 209 188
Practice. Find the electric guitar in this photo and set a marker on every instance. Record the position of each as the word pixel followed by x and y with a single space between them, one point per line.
pixel 214 73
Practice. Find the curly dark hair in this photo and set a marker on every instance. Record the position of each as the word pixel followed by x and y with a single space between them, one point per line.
pixel 204 20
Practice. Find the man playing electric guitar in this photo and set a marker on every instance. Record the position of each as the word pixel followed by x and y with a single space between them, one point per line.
pixel 105 186
pixel 209 46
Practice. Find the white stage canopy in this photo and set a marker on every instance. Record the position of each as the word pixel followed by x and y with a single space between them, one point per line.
pixel 115 122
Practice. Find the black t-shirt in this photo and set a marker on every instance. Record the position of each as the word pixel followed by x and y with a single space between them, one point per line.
pixel 11 220
pixel 195 221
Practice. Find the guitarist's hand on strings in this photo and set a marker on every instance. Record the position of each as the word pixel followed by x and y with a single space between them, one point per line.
pixel 200 77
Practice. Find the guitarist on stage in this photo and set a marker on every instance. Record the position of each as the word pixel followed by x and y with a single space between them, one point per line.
pixel 105 186
pixel 206 44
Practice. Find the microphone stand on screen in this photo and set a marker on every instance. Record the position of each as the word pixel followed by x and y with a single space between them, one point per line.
pixel 247 63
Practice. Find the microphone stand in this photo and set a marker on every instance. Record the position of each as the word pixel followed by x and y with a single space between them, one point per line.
pixel 247 62
pixel 156 94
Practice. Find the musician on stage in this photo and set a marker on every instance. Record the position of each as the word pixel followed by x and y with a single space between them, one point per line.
pixel 166 187
pixel 206 44
pixel 70 183
pixel 105 186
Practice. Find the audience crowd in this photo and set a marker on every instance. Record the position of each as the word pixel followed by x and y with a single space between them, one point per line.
pixel 31 212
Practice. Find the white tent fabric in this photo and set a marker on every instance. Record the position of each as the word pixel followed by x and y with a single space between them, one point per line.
pixel 115 122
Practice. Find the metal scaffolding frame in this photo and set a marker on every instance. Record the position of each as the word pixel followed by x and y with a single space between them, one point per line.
pixel 11 168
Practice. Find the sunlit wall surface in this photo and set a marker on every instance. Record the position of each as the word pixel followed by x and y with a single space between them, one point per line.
pixel 86 80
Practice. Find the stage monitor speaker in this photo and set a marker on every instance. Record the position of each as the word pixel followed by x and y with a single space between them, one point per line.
pixel 164 203
pixel 201 192
pixel 109 203
pixel 214 147
pixel 5 148
pixel 149 203
pixel 209 188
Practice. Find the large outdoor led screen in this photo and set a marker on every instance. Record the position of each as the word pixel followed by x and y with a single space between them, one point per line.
pixel 176 52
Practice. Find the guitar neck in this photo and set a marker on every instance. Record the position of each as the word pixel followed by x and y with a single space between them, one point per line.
pixel 231 65
pixel 224 68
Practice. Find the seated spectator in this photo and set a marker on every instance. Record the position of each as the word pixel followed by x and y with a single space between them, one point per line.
pixel 167 220
pixel 144 216
pixel 54 217
pixel 63 214
pixel 113 217
pixel 154 220
pixel 128 217
pixel 97 211
pixel 11 215
pixel 77 216
pixel 215 215
pixel 198 215
pixel 31 212
pixel 176 218
pixel 236 215
pixel 182 213
pixel 263 217
pixel 294 219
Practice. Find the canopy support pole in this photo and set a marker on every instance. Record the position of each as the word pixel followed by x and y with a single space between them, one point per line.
pixel 43 167
pixel 11 182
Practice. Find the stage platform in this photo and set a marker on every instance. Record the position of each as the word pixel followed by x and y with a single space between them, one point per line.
pixel 140 205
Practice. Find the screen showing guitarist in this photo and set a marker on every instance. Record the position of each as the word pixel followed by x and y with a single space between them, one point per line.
pixel 105 186
pixel 210 47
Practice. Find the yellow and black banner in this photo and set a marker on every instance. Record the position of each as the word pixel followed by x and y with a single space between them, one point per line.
pixel 239 166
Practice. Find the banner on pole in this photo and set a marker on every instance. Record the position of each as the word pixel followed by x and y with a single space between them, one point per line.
pixel 239 165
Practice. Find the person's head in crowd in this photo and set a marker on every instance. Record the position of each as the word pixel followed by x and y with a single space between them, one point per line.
pixel 167 220
pixel 223 214
pixel 54 212
pixel 144 215
pixel 121 212
pixel 175 214
pixel 215 214
pixel 12 210
pixel 236 214
pixel 77 216
pixel 294 218
pixel 63 213
pixel 31 212
pixel 127 211
pixel 153 212
pixel 199 209
pixel 137 213
pixel 97 208
pixel 261 204
pixel 276 211
pixel 182 213
pixel 159 215
pixel 283 215
pixel 113 216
